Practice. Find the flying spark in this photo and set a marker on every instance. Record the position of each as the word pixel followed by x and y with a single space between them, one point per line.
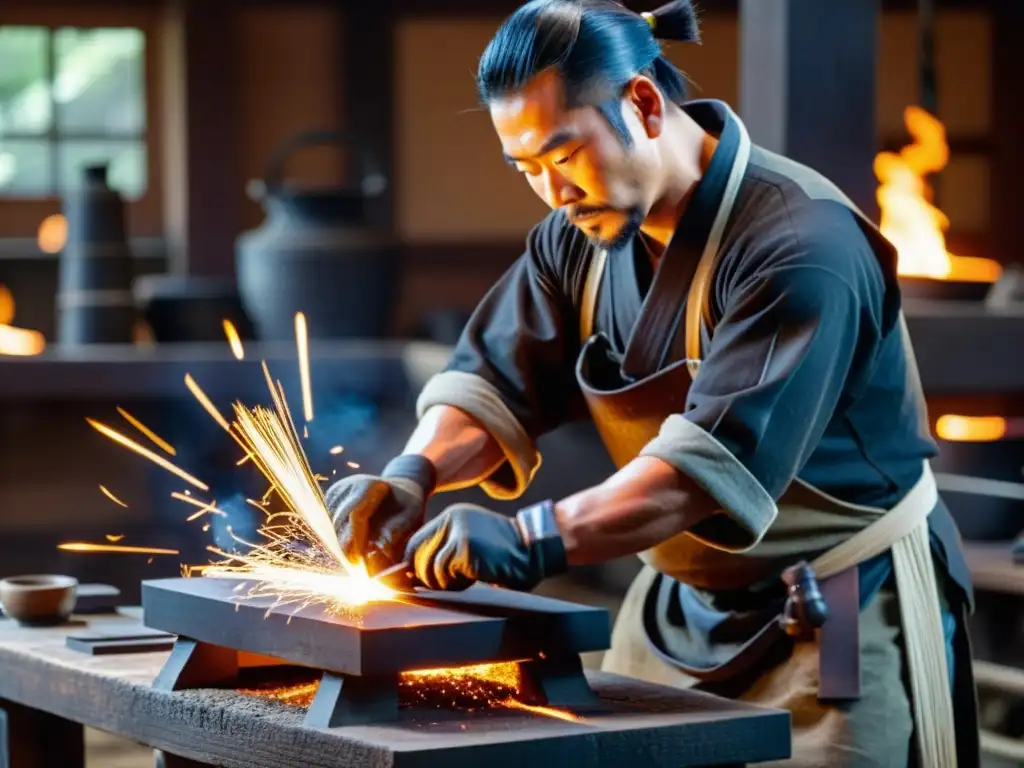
pixel 114 537
pixel 153 436
pixel 204 508
pixel 82 546
pixel 233 340
pixel 337 449
pixel 205 402
pixel 302 342
pixel 112 497
pixel 160 461
pixel 299 560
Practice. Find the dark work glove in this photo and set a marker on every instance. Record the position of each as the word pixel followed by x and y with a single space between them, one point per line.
pixel 467 543
pixel 374 516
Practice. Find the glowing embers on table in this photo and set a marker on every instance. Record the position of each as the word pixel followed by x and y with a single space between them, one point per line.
pixel 472 688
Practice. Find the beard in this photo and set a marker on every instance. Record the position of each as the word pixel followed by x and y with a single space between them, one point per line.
pixel 633 219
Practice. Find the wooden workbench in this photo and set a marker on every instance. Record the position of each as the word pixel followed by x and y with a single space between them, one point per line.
pixel 47 692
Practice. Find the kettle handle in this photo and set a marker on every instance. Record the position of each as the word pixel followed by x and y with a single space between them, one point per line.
pixel 372 183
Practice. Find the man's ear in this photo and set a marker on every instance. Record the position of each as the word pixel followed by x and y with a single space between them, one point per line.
pixel 648 104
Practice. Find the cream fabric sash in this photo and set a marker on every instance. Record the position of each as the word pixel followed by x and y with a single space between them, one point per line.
pixel 903 529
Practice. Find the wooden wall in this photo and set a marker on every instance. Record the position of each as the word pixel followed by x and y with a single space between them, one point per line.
pixel 451 189
pixel 290 80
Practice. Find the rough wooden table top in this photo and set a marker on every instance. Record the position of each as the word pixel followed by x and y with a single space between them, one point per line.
pixel 644 724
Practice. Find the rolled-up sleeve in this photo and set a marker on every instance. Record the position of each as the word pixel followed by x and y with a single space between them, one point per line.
pixel 512 368
pixel 769 384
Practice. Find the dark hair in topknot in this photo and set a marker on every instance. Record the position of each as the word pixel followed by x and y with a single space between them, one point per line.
pixel 596 45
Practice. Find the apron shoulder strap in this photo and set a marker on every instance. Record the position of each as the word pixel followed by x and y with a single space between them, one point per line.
pixel 698 301
pixel 591 287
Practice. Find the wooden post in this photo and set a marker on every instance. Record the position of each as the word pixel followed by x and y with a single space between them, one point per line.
pixel 368 72
pixel 31 738
pixel 200 92
pixel 1007 158
pixel 807 86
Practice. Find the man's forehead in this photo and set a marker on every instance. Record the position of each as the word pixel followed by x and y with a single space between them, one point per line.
pixel 526 118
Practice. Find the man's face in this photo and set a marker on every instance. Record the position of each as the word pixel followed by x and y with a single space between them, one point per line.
pixel 574 159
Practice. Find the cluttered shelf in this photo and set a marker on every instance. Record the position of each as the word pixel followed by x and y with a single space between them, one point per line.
pixel 961 347
pixel 158 370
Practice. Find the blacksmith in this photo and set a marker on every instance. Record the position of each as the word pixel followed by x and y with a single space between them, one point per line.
pixel 732 324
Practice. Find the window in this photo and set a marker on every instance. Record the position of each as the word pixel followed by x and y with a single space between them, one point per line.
pixel 70 98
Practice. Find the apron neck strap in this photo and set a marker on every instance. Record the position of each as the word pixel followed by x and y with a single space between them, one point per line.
pixel 698 302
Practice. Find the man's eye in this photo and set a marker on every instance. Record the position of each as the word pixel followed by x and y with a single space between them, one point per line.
pixel 568 157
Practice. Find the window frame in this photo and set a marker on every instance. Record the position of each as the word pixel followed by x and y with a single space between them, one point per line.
pixel 55 137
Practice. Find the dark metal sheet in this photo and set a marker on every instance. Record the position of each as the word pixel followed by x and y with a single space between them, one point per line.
pixel 483 624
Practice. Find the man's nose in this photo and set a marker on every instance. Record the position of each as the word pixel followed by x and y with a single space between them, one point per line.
pixel 560 192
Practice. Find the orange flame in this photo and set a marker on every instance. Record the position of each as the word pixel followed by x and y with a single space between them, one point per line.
pixel 970 429
pixel 16 341
pixel 53 233
pixel 909 220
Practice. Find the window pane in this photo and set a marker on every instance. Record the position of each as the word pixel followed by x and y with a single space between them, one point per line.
pixel 24 89
pixel 126 160
pixel 24 168
pixel 100 84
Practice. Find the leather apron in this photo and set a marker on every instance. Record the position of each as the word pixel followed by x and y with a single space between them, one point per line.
pixel 630 416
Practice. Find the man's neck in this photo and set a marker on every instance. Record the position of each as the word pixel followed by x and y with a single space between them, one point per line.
pixel 686 155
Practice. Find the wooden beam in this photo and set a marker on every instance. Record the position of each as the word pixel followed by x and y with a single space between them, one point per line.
pixel 367 63
pixel 201 135
pixel 492 8
pixel 488 8
pixel 1007 127
pixel 807 86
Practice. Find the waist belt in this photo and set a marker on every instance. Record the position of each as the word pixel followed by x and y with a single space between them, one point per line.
pixel 904 531
pixel 824 601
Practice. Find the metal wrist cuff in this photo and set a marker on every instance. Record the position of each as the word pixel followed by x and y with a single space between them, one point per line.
pixel 543 540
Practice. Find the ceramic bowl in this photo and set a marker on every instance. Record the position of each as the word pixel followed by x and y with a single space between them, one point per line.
pixel 38 599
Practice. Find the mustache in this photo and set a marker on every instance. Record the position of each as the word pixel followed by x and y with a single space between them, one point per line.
pixel 579 211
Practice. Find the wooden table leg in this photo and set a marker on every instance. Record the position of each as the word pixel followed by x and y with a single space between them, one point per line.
pixel 165 760
pixel 31 738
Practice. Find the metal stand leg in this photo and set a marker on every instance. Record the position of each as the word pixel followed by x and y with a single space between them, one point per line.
pixel 343 700
pixel 557 682
pixel 193 664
